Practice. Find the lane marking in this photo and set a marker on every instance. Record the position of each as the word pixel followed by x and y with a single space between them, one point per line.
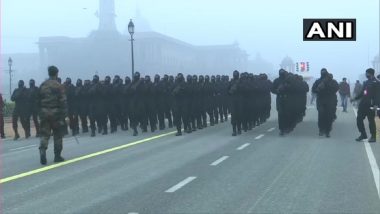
pixel 243 146
pixel 259 137
pixel 271 129
pixel 24 147
pixel 372 162
pixel 92 155
pixel 180 184
pixel 220 160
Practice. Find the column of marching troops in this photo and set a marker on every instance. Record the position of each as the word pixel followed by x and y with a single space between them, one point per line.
pixel 188 104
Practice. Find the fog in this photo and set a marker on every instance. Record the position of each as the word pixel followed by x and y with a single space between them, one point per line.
pixel 271 28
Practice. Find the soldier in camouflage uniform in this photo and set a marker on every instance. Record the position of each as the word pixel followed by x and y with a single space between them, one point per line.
pixel 53 111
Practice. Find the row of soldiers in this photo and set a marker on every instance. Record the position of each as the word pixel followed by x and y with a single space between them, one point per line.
pixel 190 103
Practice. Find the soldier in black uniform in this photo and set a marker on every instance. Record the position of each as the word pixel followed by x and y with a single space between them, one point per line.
pixel 326 88
pixel 79 107
pixel 203 96
pixel 280 88
pixel 189 117
pixel 159 99
pixel 97 109
pixel 149 95
pixel 33 97
pixel 85 105
pixel 369 98
pixel 208 99
pixel 125 103
pixel 234 90
pixel 21 98
pixel 197 108
pixel 179 104
pixel 71 105
pixel 136 102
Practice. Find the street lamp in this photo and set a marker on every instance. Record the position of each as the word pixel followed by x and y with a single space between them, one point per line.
pixel 131 30
pixel 10 63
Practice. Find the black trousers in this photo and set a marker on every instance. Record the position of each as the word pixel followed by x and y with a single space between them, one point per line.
pixel 366 112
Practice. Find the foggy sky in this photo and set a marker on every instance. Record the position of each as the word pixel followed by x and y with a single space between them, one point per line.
pixel 272 28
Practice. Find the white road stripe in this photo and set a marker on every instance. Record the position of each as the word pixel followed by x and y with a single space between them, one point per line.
pixel 24 147
pixel 243 146
pixel 259 137
pixel 372 162
pixel 180 184
pixel 271 129
pixel 220 160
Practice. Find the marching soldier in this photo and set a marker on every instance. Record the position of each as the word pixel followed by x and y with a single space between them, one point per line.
pixel 368 99
pixel 33 97
pixel 21 98
pixel 326 88
pixel 53 111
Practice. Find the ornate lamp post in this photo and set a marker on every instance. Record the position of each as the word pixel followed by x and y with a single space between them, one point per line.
pixel 131 30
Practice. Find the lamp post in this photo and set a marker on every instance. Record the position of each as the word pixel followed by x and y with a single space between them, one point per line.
pixel 10 63
pixel 131 30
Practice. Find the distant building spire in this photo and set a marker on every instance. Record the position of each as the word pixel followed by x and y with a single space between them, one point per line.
pixel 107 15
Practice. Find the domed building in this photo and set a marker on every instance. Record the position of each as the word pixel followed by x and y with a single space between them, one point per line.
pixel 108 52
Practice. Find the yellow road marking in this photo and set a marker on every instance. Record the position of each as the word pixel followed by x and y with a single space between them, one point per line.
pixel 47 168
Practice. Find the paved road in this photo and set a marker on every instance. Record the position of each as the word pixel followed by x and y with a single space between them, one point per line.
pixel 205 172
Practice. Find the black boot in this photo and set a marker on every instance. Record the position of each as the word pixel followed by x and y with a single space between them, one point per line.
pixel 92 133
pixel 135 132
pixel 43 160
pixel 372 139
pixel 361 138
pixel 17 136
pixel 179 132
pixel 57 154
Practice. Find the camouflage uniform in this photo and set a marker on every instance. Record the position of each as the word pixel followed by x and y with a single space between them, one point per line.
pixel 53 111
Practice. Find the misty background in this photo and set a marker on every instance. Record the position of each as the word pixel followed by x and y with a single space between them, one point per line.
pixel 271 29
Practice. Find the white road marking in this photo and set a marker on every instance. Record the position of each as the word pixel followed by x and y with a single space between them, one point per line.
pixel 271 129
pixel 180 184
pixel 220 160
pixel 24 147
pixel 243 146
pixel 259 137
pixel 372 162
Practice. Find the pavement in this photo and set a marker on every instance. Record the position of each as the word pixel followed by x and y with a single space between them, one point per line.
pixel 208 171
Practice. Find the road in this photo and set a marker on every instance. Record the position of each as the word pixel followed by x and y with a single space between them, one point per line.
pixel 208 171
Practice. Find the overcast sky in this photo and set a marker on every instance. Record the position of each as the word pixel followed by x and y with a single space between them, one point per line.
pixel 272 28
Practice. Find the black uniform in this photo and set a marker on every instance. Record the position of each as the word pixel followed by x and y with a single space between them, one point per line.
pixel 234 90
pixel 179 103
pixel 21 98
pixel 34 109
pixel 369 97
pixel 326 88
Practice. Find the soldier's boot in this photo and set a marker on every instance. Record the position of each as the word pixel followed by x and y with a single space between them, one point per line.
pixel 57 152
pixel 135 132
pixel 234 130
pixel 17 136
pixel 105 130
pixel 27 134
pixel 43 160
pixel 92 133
pixel 153 128
pixel 162 126
pixel 193 126
pixel 372 139
pixel 179 131
pixel 211 121
pixel 216 119
pixel 239 129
